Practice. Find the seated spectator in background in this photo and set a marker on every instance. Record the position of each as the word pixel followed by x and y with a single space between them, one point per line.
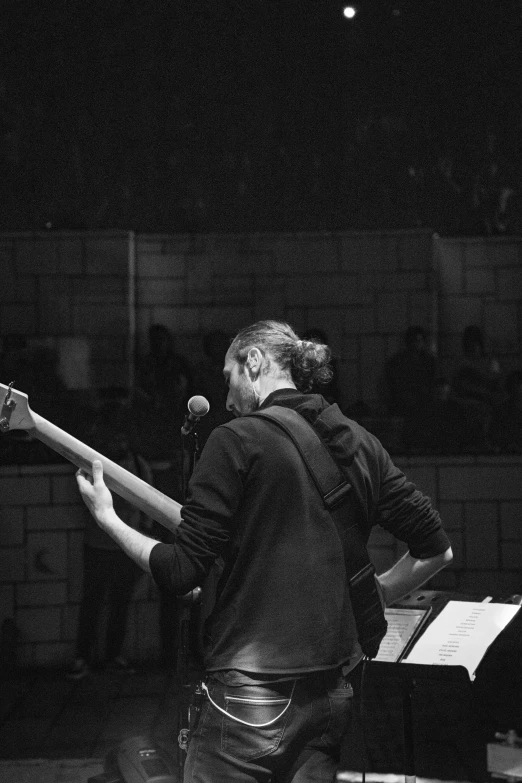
pixel 164 385
pixel 478 375
pixel 505 425
pixel 165 376
pixel 330 391
pixel 476 386
pixel 410 375
pixel 443 429
pixel 410 379
pixel 108 574
pixel 34 370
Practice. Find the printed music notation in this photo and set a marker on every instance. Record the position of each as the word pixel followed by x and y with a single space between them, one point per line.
pixel 404 626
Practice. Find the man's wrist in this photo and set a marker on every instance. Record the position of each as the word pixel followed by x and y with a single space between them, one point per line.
pixel 107 519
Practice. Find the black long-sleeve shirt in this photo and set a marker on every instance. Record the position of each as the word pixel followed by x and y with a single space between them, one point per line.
pixel 281 603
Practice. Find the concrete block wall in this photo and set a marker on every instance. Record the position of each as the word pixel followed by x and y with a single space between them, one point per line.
pixel 63 287
pixel 479 282
pixel 480 503
pixel 363 289
pixel 41 533
pixel 42 520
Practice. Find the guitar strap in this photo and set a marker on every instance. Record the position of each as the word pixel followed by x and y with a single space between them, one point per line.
pixel 339 499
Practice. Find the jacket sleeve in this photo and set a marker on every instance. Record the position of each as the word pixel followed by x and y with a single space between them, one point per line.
pixel 408 514
pixel 208 516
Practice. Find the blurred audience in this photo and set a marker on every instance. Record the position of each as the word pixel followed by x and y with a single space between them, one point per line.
pixel 108 574
pixel 476 387
pixel 410 375
pixel 505 425
pixel 164 384
pixel 443 429
pixel 478 375
pixel 34 370
pixel 469 412
pixel 165 377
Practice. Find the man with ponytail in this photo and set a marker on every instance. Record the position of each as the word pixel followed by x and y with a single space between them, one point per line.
pixel 280 639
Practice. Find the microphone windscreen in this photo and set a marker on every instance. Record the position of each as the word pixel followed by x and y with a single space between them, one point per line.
pixel 198 405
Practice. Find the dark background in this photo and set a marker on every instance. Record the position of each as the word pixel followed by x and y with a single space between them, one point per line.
pixel 233 115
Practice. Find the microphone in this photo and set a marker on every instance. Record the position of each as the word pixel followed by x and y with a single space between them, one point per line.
pixel 198 406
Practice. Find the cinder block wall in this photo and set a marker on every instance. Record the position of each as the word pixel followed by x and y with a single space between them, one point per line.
pixel 362 289
pixel 42 520
pixel 480 503
pixel 479 281
pixel 41 533
pixel 68 285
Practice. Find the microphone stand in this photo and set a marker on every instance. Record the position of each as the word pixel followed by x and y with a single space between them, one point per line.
pixel 194 456
pixel 191 694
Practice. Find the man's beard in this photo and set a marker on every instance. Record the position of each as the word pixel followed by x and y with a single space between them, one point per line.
pixel 249 397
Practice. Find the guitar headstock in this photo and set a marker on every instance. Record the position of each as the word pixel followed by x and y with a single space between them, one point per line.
pixel 15 413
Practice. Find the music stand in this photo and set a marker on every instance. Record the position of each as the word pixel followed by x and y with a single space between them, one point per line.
pixel 408 674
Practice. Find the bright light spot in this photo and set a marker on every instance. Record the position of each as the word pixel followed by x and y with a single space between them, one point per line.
pixel 349 12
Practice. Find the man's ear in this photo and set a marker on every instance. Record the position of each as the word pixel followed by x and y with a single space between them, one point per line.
pixel 253 361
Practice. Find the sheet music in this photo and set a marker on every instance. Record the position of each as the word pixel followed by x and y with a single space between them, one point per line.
pixel 461 634
pixel 403 624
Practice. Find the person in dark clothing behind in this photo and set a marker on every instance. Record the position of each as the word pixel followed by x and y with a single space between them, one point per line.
pixel 164 376
pixel 164 384
pixel 505 426
pixel 108 574
pixel 410 375
pixel 476 389
pixel 410 381
pixel 280 642
pixel 478 375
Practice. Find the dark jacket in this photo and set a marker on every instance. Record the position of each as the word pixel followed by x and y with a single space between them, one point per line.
pixel 282 604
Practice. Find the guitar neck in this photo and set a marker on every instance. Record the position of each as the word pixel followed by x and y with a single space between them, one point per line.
pixel 151 501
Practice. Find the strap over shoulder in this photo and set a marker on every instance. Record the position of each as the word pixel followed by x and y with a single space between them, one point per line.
pixel 330 481
pixel 337 494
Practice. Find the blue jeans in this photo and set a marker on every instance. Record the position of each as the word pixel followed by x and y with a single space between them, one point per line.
pixel 301 746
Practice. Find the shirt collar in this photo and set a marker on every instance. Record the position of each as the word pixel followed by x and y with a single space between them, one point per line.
pixel 279 396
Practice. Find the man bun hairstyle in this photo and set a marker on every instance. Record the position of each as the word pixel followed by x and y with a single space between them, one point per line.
pixel 307 362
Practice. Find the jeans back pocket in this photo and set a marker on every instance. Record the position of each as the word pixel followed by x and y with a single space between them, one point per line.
pixel 256 707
